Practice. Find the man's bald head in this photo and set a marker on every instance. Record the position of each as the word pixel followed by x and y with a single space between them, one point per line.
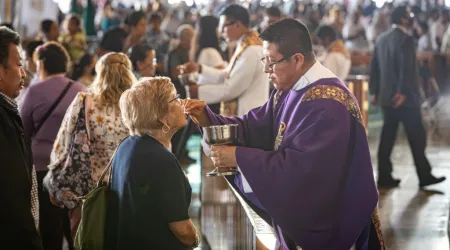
pixel 185 33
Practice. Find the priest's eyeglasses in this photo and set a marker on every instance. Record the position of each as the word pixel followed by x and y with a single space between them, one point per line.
pixel 269 66
pixel 177 98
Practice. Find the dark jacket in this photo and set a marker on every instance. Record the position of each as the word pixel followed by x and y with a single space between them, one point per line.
pixel 394 68
pixel 17 227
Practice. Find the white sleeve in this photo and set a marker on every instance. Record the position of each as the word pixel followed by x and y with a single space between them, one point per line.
pixel 210 57
pixel 332 63
pixel 211 75
pixel 240 79
pixel 338 64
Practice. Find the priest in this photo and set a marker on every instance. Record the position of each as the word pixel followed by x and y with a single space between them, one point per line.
pixel 304 153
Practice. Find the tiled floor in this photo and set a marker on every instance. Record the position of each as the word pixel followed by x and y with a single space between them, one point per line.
pixel 412 219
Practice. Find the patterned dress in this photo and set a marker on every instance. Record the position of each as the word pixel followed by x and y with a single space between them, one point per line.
pixel 105 129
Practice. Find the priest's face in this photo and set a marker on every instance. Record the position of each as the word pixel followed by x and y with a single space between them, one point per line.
pixel 283 71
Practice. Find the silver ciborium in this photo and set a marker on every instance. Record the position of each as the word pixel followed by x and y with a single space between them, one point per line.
pixel 221 135
pixel 185 80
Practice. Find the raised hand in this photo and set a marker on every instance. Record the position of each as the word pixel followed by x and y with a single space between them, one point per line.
pixel 188 68
pixel 196 109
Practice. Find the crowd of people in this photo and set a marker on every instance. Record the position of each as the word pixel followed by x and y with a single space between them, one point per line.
pixel 66 110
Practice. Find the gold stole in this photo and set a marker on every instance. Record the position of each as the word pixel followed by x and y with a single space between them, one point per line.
pixel 230 108
pixel 338 46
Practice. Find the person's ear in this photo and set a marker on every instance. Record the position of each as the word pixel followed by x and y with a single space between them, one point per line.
pixel 163 121
pixel 299 60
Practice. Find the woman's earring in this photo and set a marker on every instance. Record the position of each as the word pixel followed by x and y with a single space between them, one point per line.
pixel 168 128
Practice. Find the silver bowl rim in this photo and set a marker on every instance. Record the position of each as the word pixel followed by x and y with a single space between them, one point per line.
pixel 222 126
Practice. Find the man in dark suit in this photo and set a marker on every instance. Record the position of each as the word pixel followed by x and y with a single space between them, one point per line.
pixel 394 86
pixel 19 209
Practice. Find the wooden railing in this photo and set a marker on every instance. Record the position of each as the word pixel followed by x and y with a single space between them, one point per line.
pixel 359 86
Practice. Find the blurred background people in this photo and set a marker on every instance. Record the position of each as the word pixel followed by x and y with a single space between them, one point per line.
pixel 137 24
pixel 73 38
pixel 84 70
pixel 30 69
pixel 336 57
pixel 53 90
pixel 206 48
pixel 273 14
pixel 143 60
pixel 49 30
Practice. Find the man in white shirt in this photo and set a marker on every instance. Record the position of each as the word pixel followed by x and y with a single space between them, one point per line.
pixel 243 85
pixel 336 58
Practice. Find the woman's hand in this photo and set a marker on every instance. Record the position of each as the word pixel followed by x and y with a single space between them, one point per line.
pixel 196 109
pixel 55 202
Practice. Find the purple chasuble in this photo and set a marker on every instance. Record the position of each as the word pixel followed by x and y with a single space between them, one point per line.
pixel 296 155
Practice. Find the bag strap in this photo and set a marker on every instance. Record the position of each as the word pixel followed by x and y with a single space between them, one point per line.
pixel 54 105
pixel 108 167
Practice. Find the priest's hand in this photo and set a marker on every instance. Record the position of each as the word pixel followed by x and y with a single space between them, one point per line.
pixel 196 109
pixel 189 67
pixel 223 156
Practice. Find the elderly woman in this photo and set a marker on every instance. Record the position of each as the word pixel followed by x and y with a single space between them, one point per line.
pixel 150 194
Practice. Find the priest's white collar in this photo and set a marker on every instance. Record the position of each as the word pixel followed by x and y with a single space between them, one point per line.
pixel 239 41
pixel 315 73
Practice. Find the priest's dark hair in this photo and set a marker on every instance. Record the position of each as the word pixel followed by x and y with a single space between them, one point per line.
pixel 398 13
pixel 235 12
pixel 7 37
pixel 290 36
pixel 326 31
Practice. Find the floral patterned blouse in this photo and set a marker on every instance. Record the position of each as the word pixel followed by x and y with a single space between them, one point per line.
pixel 105 129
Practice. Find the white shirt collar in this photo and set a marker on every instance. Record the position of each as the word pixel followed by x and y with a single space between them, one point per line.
pixel 315 73
pixel 239 42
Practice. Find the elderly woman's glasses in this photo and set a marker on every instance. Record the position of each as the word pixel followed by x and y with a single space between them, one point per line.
pixel 177 98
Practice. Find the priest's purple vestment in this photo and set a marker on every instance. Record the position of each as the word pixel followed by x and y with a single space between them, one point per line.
pixel 306 158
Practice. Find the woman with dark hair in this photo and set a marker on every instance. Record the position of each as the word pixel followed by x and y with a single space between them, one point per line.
pixel 207 43
pixel 84 71
pixel 42 112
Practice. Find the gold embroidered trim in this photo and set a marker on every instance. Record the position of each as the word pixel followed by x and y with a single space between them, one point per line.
pixel 377 224
pixel 337 94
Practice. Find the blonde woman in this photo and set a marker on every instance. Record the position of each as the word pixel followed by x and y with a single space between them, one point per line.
pixel 96 115
pixel 150 194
